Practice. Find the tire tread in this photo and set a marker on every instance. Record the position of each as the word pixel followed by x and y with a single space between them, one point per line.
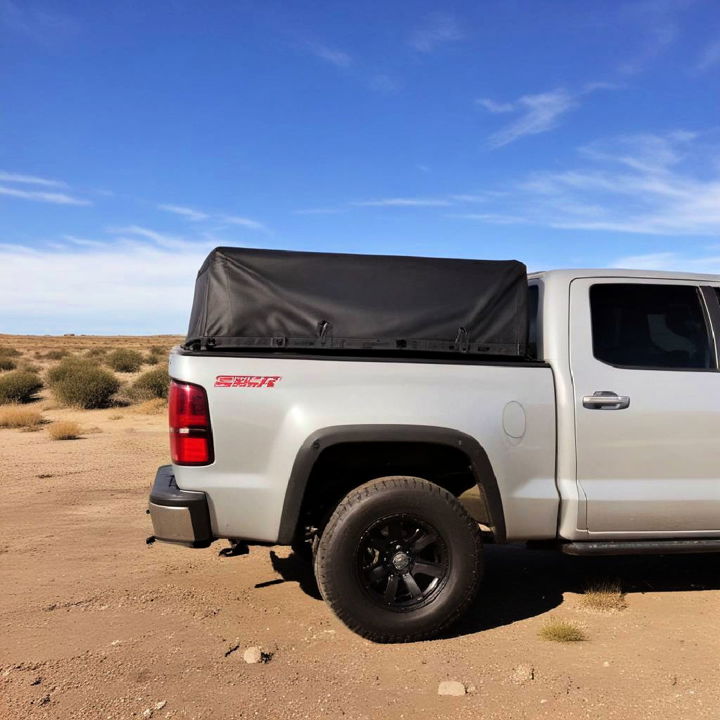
pixel 363 492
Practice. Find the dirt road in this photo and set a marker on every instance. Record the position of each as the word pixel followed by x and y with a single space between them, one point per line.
pixel 94 623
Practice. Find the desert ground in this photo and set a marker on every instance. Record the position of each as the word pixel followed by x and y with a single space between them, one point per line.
pixel 96 623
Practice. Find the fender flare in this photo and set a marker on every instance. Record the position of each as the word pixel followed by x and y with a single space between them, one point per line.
pixel 324 438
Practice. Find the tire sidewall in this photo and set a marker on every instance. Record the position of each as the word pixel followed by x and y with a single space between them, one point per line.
pixel 339 546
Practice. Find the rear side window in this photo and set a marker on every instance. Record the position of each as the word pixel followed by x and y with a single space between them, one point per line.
pixel 650 326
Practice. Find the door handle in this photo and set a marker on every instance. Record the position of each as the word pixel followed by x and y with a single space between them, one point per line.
pixel 605 400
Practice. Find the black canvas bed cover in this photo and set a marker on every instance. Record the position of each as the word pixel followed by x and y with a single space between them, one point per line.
pixel 248 299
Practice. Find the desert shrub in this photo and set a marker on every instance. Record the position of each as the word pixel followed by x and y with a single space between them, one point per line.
pixel 71 365
pixel 55 354
pixel 125 360
pixel 9 352
pixel 30 367
pixel 562 631
pixel 7 364
pixel 151 384
pixel 156 406
pixel 96 352
pixel 19 386
pixel 64 430
pixel 84 385
pixel 19 416
pixel 604 597
pixel 152 358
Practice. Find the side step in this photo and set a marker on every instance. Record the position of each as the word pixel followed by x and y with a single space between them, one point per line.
pixel 641 547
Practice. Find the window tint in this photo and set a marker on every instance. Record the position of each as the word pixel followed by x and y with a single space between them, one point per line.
pixel 649 326
pixel 532 308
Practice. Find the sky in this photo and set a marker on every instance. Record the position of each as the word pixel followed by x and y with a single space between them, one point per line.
pixel 137 136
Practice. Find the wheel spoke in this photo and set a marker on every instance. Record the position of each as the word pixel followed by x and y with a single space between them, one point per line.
pixel 402 561
pixel 428 568
pixel 417 533
pixel 377 573
pixel 378 543
pixel 424 541
pixel 412 586
pixel 391 588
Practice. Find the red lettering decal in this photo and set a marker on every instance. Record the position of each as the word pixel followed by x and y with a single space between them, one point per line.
pixel 247 381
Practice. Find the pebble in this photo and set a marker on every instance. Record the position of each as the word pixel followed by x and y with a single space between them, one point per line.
pixel 451 687
pixel 523 673
pixel 253 655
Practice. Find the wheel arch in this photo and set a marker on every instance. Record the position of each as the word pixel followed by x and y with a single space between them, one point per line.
pixel 488 501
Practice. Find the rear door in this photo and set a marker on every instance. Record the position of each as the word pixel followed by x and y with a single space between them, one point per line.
pixel 647 406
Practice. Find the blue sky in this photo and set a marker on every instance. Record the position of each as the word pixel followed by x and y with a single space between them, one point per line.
pixel 136 136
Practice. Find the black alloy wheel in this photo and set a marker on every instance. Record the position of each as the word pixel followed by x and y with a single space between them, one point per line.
pixel 399 560
pixel 403 561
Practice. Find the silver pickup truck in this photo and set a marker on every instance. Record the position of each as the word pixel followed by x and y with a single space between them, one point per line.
pixel 578 409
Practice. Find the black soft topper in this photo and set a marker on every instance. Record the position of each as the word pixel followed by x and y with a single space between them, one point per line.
pixel 261 299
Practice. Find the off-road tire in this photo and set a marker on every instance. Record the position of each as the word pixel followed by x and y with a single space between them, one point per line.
pixel 338 561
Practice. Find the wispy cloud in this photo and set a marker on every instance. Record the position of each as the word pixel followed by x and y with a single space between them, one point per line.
pixel 12 179
pixel 244 222
pixel 84 242
pixel 87 299
pixel 29 179
pixel 648 184
pixel 496 107
pixel 54 198
pixel 656 27
pixel 402 202
pixel 329 55
pixel 195 215
pixel 709 57
pixel 124 234
pixel 436 29
pixel 494 218
pixel 319 211
pixel 406 202
pixel 537 113
pixel 186 212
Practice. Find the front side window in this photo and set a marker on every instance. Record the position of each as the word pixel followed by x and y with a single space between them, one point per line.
pixel 650 326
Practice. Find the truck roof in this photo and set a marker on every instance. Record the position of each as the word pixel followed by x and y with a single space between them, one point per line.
pixel 568 275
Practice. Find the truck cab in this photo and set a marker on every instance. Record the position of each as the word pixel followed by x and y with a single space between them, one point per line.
pixel 635 362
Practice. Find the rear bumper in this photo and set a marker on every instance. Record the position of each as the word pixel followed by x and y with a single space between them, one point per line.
pixel 178 516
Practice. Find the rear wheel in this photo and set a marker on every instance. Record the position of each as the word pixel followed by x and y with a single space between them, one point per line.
pixel 399 560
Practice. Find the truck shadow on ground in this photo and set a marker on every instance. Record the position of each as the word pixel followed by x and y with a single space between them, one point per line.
pixel 521 583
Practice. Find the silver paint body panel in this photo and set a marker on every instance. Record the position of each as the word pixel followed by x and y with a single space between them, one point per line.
pixel 257 432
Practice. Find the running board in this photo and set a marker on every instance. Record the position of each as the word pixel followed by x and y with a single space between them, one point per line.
pixel 641 547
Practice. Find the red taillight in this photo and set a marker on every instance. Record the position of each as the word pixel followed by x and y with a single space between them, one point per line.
pixel 190 435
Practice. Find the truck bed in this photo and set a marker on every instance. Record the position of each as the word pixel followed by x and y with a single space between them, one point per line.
pixel 264 409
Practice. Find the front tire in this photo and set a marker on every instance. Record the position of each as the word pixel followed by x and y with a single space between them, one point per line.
pixel 400 560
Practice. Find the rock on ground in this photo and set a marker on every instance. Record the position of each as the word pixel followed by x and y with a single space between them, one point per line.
pixel 451 687
pixel 253 655
pixel 523 673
